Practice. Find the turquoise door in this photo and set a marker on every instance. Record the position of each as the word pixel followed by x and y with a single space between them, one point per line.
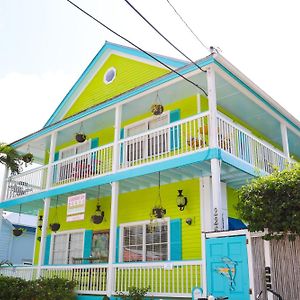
pixel 227 267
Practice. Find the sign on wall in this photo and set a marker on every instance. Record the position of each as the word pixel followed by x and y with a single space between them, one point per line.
pixel 76 207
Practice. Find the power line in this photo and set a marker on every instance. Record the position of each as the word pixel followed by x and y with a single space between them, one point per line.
pixel 190 29
pixel 134 45
pixel 148 22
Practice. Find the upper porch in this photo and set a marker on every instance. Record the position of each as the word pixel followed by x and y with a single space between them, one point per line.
pixel 125 140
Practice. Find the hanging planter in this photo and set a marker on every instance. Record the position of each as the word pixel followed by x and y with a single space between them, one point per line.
pixel 18 231
pixel 158 211
pixel 54 227
pixel 98 217
pixel 157 108
pixel 27 158
pixel 80 136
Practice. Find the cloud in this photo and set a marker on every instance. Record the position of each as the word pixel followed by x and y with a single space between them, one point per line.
pixel 28 100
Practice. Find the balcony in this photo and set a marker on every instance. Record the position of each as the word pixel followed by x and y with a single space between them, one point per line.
pixel 164 279
pixel 175 140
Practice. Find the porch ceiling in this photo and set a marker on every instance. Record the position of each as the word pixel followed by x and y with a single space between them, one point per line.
pixel 230 175
pixel 241 106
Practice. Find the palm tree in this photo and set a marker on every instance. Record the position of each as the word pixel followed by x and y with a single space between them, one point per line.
pixel 10 158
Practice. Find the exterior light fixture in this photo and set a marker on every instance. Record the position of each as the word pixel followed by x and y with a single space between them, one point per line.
pixel 181 200
pixel 40 222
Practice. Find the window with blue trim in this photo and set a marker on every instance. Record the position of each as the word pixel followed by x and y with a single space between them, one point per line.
pixel 145 241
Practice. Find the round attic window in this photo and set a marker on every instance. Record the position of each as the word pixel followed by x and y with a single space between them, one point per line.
pixel 110 75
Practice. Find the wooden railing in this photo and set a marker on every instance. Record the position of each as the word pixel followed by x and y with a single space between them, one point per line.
pixel 173 140
pixel 238 142
pixel 163 278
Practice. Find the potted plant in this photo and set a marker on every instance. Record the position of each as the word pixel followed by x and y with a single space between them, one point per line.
pixel 18 231
pixel 157 109
pixel 80 137
pixel 158 211
pixel 27 158
pixel 54 226
pixel 97 218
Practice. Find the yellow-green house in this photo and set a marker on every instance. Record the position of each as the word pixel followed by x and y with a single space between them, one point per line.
pixel 135 176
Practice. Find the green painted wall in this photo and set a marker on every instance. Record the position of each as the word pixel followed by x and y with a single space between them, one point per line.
pixel 232 199
pixel 130 74
pixel 137 205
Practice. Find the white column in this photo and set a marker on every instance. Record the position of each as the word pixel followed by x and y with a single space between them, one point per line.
pixel 46 203
pixel 3 192
pixel 112 237
pixel 267 251
pixel 250 265
pixel 116 152
pixel 285 141
pixel 213 143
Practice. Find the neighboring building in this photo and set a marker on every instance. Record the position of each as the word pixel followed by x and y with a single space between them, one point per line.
pixel 136 157
pixel 17 250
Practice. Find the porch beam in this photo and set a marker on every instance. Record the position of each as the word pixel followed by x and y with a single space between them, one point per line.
pixel 47 203
pixel 285 140
pixel 112 237
pixel 213 143
pixel 116 150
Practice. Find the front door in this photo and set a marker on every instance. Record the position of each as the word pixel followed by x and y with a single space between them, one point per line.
pixel 227 267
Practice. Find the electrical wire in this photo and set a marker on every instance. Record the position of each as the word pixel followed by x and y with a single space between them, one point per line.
pixel 190 29
pixel 134 45
pixel 148 22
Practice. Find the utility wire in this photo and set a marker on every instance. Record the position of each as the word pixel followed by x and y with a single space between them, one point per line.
pixel 190 29
pixel 134 45
pixel 148 22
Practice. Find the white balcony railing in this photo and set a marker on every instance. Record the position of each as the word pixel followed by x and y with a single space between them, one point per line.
pixel 163 278
pixel 175 139
pixel 238 142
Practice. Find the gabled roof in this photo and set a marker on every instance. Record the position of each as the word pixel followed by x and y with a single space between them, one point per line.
pixel 97 61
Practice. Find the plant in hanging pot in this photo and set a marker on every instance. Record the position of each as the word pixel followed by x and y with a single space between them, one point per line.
pixel 80 136
pixel 158 211
pixel 157 109
pixel 27 158
pixel 18 231
pixel 54 226
pixel 97 218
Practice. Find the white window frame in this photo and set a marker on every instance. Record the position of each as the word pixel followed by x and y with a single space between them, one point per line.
pixel 74 148
pixel 115 75
pixel 68 232
pixel 146 137
pixel 146 222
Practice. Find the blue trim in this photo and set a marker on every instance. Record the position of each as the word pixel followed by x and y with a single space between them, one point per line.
pixel 175 240
pixel 94 142
pixel 130 173
pixel 117 244
pixel 255 94
pixel 118 99
pixel 87 247
pixel 47 250
pixel 27 228
pixel 175 132
pixel 111 46
pixel 122 145
pixel 89 297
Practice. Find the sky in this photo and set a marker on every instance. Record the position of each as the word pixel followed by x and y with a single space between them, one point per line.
pixel 45 46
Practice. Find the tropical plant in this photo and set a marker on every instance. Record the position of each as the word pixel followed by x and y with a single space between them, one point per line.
pixel 135 293
pixel 12 159
pixel 273 202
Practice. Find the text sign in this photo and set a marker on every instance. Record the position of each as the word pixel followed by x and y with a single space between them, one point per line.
pixel 76 204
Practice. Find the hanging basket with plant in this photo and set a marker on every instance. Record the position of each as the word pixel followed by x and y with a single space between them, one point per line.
pixel 80 136
pixel 18 231
pixel 158 211
pixel 98 217
pixel 157 108
pixel 27 158
pixel 55 225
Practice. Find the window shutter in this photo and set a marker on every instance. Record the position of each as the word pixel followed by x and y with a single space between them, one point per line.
pixel 47 250
pixel 94 143
pixel 175 240
pixel 121 148
pixel 87 246
pixel 117 244
pixel 54 175
pixel 175 132
pixel 56 156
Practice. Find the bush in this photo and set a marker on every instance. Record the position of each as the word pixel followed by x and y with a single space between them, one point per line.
pixel 41 289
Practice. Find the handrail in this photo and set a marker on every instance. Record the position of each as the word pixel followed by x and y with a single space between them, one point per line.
pixel 27 172
pixel 173 124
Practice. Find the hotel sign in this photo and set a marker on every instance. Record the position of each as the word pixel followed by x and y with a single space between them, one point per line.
pixel 76 207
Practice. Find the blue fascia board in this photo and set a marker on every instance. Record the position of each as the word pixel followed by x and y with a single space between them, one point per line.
pixel 256 95
pixel 114 101
pixel 138 171
pixel 111 46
